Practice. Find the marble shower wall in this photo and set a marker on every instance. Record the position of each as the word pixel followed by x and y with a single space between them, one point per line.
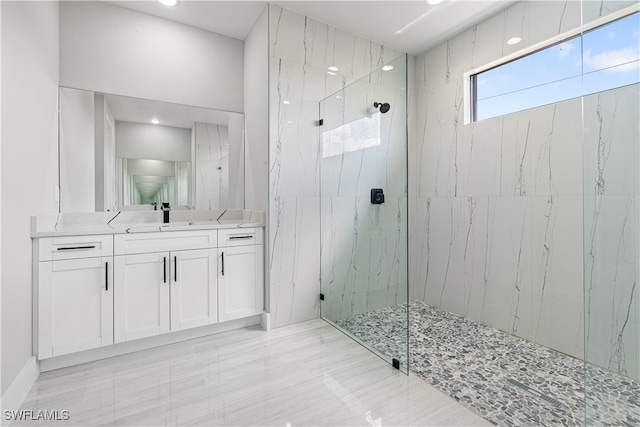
pixel 496 206
pixel 301 50
pixel 611 162
pixel 364 246
pixel 212 166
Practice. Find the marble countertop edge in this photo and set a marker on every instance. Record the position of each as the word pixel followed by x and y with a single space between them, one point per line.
pixel 52 225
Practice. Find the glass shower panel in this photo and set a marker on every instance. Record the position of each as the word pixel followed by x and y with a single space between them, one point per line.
pixel 363 189
pixel 611 267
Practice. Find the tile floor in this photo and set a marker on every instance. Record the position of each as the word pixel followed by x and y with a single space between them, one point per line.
pixel 301 375
pixel 486 369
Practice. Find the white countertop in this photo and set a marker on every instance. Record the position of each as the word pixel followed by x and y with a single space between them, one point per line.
pixel 80 224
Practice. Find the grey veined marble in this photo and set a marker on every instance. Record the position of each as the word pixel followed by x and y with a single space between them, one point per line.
pixel 506 379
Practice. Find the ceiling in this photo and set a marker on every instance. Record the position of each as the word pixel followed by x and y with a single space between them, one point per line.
pixel 408 26
pixel 137 110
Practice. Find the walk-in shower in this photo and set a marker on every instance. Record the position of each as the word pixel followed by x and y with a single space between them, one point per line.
pixel 363 198
pixel 523 303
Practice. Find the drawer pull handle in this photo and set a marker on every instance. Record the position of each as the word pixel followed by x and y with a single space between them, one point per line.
pixel 175 269
pixel 165 269
pixel 223 263
pixel 106 276
pixel 250 236
pixel 75 248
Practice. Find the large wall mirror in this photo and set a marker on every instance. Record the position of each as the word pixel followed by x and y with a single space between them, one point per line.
pixel 122 153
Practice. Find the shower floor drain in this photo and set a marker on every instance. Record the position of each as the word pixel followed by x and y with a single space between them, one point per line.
pixel 554 402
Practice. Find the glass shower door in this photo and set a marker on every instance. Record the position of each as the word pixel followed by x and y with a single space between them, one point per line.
pixel 363 199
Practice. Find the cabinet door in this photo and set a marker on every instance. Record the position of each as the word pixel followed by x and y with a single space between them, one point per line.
pixel 240 282
pixel 75 305
pixel 194 296
pixel 141 295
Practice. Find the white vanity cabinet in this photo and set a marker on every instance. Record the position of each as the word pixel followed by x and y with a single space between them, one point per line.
pixel 241 282
pixel 98 290
pixel 166 281
pixel 74 294
pixel 194 290
pixel 142 296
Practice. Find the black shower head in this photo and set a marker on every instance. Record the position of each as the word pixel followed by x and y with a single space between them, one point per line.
pixel 384 107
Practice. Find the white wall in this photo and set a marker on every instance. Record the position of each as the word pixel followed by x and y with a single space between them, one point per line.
pixel 146 167
pixel 142 141
pixel 29 161
pixel 77 151
pixel 256 112
pixel 256 115
pixel 110 49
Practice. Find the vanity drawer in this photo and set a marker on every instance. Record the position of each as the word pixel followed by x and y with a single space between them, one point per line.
pixel 74 247
pixel 239 237
pixel 142 243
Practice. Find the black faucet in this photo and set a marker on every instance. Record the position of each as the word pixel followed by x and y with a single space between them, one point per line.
pixel 165 212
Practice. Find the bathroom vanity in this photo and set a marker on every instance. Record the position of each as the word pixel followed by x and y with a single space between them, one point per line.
pixel 103 279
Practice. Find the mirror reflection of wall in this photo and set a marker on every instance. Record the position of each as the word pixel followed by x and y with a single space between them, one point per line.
pixel 121 153
pixel 153 165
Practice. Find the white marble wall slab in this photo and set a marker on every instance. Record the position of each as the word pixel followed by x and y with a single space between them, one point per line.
pixel 594 9
pixel 364 255
pixel 294 259
pixel 532 21
pixel 305 41
pixel 212 166
pixel 612 305
pixel 496 207
pixel 556 274
pixel 300 52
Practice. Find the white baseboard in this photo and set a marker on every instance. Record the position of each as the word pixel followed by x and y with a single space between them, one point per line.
pixel 265 321
pixel 19 388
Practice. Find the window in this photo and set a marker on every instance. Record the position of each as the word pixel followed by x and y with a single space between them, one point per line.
pixel 603 58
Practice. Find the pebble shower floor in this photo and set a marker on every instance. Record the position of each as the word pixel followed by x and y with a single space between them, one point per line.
pixel 505 379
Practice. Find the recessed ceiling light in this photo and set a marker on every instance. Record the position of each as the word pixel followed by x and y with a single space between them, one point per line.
pixel 331 73
pixel 387 67
pixel 514 40
pixel 155 121
pixel 169 2
pixel 434 2
pixel 332 68
pixel 286 102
